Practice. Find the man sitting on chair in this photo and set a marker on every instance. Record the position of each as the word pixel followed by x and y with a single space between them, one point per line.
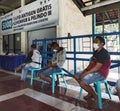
pixel 97 70
pixel 56 64
pixel 33 60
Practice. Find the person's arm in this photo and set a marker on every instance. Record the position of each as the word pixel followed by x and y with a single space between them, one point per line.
pixel 61 58
pixel 92 70
pixel 51 65
pixel 28 58
pixel 58 60
pixel 53 62
pixel 89 66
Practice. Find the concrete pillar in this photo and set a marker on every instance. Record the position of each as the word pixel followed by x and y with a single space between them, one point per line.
pixel 119 18
pixel 22 3
pixel 103 25
pixel 119 39
pixel 60 27
pixel 1 44
pixel 23 35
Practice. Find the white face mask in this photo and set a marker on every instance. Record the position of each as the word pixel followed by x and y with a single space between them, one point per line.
pixel 95 46
pixel 54 50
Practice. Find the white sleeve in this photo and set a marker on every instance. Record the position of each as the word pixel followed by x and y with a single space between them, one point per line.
pixel 36 57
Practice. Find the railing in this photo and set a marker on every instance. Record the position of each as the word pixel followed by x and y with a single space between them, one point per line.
pixel 78 55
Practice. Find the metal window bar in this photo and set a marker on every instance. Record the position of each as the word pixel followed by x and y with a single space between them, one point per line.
pixel 73 52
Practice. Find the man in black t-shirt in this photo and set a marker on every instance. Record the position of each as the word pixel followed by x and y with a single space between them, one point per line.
pixel 97 70
pixel 102 57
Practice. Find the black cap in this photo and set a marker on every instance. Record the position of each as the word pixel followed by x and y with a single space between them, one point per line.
pixel 33 46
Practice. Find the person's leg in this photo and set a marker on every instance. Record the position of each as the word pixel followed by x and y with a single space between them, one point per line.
pixel 20 67
pixel 118 93
pixel 24 71
pixel 89 89
pixel 45 75
pixel 87 80
pixel 48 79
pixel 76 77
pixel 118 88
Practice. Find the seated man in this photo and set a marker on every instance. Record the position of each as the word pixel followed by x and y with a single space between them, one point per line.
pixel 118 88
pixel 56 64
pixel 33 60
pixel 97 70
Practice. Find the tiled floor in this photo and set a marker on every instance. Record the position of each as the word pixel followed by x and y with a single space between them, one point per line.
pixel 24 103
pixel 16 95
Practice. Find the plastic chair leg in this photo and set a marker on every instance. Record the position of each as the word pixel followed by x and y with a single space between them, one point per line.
pixel 25 75
pixel 99 95
pixel 31 79
pixel 108 91
pixel 43 83
pixel 95 86
pixel 64 80
pixel 80 94
pixel 53 83
pixel 58 79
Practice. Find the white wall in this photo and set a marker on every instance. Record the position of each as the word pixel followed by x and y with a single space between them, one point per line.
pixel 72 20
pixel 41 34
pixel 60 27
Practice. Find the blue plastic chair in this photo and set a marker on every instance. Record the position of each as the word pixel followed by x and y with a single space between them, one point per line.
pixel 33 70
pixel 53 80
pixel 98 91
pixel 54 76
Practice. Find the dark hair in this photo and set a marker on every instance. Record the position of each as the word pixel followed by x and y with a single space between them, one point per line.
pixel 33 46
pixel 102 40
pixel 54 44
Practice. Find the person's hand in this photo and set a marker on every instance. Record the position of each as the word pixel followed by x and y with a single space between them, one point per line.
pixel 49 65
pixel 83 75
pixel 80 78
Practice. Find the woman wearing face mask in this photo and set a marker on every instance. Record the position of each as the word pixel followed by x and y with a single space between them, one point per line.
pixel 56 63
pixel 97 70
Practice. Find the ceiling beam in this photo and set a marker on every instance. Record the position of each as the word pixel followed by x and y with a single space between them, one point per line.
pixel 107 15
pixel 79 3
pixel 107 22
pixel 101 7
pixel 87 1
pixel 104 3
pixel 6 7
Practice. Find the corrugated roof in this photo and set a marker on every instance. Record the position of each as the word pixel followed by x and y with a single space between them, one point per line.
pixel 106 10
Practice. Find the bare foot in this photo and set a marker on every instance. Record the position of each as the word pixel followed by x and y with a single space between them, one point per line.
pixel 95 101
pixel 88 97
pixel 18 68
